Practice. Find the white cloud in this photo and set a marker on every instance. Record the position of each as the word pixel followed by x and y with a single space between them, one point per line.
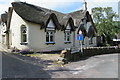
pixel 103 3
pixel 48 4
pixel 53 4
pixel 4 4
pixel 53 0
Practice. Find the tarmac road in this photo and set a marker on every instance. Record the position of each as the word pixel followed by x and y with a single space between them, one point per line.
pixel 0 65
pixel 100 66
pixel 15 68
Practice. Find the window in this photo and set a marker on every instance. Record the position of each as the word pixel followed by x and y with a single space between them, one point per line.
pixel 90 41
pixel 50 33
pixel 67 36
pixel 50 37
pixel 23 34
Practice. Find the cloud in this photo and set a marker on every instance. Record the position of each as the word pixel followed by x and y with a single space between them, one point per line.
pixel 103 3
pixel 53 0
pixel 3 8
pixel 50 4
pixel 4 4
pixel 62 4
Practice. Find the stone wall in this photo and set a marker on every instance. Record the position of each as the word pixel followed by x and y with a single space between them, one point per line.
pixel 91 51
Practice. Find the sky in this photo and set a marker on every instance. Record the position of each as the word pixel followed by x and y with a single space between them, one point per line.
pixel 64 6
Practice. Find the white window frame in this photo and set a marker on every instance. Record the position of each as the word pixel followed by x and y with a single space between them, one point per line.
pixel 24 41
pixel 49 36
pixel 50 29
pixel 66 36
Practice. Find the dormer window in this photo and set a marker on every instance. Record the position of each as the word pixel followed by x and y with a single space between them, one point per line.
pixel 50 33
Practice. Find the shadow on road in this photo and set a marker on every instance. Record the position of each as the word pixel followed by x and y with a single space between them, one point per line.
pixel 15 68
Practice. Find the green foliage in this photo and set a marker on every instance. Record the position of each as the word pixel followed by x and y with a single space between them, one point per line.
pixel 104 22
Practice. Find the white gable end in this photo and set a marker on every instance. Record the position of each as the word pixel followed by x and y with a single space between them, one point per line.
pixel 3 29
pixel 51 24
pixel 68 26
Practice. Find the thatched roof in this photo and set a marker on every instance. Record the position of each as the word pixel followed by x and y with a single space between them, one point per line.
pixel 78 16
pixel 37 14
pixel 42 15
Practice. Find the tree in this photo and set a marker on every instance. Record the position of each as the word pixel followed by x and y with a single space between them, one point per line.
pixel 104 22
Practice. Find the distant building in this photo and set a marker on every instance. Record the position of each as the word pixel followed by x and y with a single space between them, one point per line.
pixel 29 26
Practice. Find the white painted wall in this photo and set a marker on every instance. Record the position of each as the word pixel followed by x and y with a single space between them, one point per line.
pixel 16 23
pixel 36 37
pixel 1 33
pixel 3 29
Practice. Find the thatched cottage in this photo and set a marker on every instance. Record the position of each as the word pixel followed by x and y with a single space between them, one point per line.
pixel 29 26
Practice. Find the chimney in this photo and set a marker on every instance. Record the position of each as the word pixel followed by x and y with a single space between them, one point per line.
pixel 84 5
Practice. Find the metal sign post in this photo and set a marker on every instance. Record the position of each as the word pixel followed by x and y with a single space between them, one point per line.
pixel 81 47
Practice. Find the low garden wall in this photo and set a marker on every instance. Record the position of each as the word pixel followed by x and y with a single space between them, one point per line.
pixel 91 51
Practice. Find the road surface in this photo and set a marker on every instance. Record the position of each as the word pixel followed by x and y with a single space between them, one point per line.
pixel 15 68
pixel 100 66
pixel 0 65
